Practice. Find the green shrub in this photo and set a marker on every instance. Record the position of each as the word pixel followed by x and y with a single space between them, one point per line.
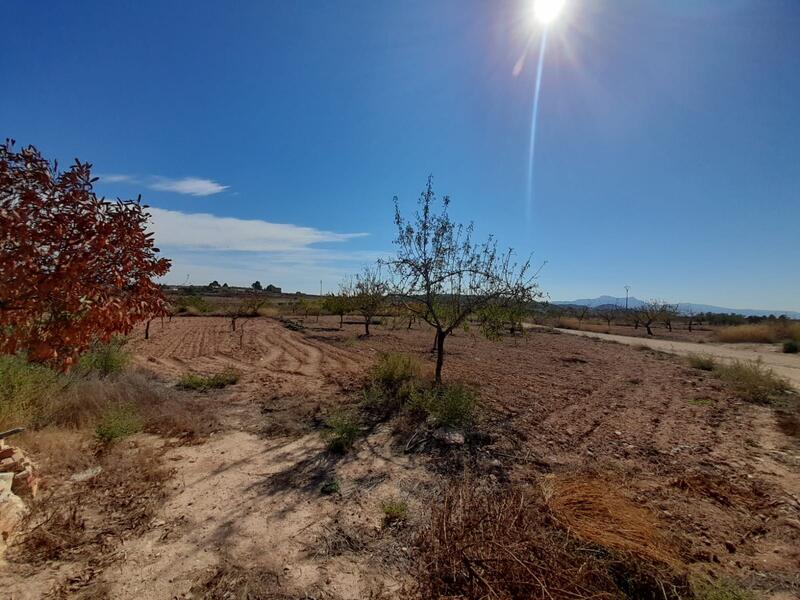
pixel 343 429
pixel 393 370
pixel 704 362
pixel 392 381
pixel 331 486
pixel 202 383
pixel 24 389
pixel 192 305
pixel 450 406
pixel 105 358
pixel 120 421
pixel 394 511
pixel 753 382
pixel 790 347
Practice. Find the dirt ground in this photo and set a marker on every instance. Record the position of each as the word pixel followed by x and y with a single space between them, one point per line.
pixel 243 509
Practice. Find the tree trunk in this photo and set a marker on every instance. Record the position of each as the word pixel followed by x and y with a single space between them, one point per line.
pixel 669 326
pixel 649 331
pixel 233 323
pixel 440 335
pixel 366 326
pixel 341 320
pixel 147 329
pixel 690 324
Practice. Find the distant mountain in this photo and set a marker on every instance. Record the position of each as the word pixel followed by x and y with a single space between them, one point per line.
pixel 684 307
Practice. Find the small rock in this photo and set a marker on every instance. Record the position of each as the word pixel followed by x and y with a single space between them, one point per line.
pixel 730 547
pixel 449 436
pixel 89 473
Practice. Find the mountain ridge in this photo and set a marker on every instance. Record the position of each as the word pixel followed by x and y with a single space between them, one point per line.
pixel 683 307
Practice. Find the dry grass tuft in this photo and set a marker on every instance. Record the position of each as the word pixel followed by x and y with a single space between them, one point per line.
pixel 591 510
pixel 760 333
pixel 512 544
pixel 229 581
pixel 754 382
pixel 575 323
pixel 87 519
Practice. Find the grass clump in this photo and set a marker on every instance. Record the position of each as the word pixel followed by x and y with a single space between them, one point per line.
pixel 394 511
pixel 343 428
pixel 790 347
pixel 701 402
pixel 722 589
pixel 105 358
pixel 448 406
pixel 24 387
pixel 119 422
pixel 761 333
pixel 754 382
pixel 330 487
pixel 519 542
pixel 203 383
pixel 393 371
pixel 704 362
pixel 392 382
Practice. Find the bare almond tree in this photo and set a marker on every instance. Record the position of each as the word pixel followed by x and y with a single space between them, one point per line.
pixel 654 311
pixel 365 294
pixel 443 276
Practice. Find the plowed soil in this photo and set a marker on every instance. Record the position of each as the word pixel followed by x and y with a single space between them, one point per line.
pixel 244 510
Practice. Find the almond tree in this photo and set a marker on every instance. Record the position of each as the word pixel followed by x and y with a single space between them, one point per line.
pixel 365 294
pixel 443 276
pixel 74 268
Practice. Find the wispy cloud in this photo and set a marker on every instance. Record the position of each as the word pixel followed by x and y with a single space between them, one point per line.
pixel 194 186
pixel 116 178
pixel 203 231
pixel 203 247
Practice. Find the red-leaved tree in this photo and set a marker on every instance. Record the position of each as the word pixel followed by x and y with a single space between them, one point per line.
pixel 74 268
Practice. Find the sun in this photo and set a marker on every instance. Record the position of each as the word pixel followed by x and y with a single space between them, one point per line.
pixel 547 11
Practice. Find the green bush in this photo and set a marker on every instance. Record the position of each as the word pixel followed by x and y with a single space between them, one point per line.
pixel 120 421
pixel 331 486
pixel 393 370
pixel 343 429
pixel 105 358
pixel 192 305
pixel 790 347
pixel 202 383
pixel 704 362
pixel 24 390
pixel 449 406
pixel 392 381
pixel 753 382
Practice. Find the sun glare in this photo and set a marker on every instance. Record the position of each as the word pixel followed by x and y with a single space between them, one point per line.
pixel 547 11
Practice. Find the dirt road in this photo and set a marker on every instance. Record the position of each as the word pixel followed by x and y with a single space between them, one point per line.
pixel 785 365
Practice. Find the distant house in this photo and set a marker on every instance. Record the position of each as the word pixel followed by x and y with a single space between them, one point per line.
pixel 273 289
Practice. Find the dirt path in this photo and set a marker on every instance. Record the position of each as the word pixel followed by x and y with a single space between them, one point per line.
pixel 245 502
pixel 785 365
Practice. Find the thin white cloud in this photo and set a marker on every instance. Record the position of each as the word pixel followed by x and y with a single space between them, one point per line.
pixel 116 178
pixel 203 231
pixel 204 247
pixel 194 186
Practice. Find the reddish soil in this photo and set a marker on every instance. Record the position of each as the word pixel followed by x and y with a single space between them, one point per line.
pixel 245 507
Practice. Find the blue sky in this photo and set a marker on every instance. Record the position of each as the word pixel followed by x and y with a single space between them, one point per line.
pixel 270 137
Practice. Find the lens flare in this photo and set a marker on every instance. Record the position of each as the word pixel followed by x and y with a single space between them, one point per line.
pixel 547 11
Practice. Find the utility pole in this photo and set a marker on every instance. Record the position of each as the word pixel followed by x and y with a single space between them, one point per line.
pixel 627 289
pixel 320 288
